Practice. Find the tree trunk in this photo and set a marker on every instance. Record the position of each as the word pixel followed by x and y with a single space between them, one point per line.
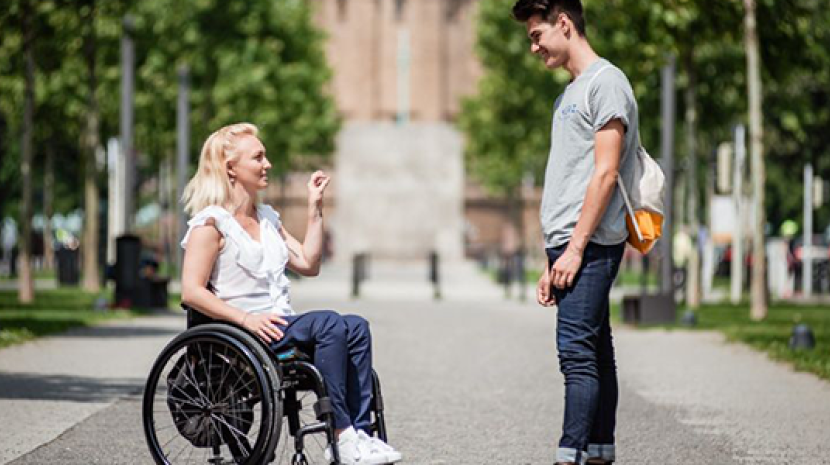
pixel 89 144
pixel 693 274
pixel 25 291
pixel 48 198
pixel 758 292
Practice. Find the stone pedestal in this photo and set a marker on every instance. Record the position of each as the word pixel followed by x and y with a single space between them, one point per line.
pixel 400 191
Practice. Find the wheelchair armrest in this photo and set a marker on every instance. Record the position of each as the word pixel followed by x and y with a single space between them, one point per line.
pixel 196 318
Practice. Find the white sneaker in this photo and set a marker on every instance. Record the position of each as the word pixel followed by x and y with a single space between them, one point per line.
pixel 376 444
pixel 354 451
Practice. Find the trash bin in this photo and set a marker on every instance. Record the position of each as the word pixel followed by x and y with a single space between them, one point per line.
pixel 152 289
pixel 649 309
pixel 69 272
pixel 125 272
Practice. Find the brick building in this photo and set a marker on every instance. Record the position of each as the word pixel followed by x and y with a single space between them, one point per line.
pixel 405 61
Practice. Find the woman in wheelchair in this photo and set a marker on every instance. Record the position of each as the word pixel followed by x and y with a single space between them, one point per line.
pixel 236 255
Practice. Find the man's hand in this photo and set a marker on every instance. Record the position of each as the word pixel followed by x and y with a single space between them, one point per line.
pixel 564 271
pixel 264 325
pixel 543 292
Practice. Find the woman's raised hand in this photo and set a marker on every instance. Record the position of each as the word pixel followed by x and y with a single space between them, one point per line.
pixel 264 325
pixel 316 186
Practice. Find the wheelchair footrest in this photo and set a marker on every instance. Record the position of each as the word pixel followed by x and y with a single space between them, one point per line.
pixel 323 407
pixel 292 355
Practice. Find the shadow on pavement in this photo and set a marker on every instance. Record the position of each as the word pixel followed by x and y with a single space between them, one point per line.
pixel 33 386
pixel 124 331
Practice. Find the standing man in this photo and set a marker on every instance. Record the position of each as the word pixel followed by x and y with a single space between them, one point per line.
pixel 593 141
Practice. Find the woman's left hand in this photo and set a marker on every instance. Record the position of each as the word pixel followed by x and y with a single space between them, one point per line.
pixel 316 187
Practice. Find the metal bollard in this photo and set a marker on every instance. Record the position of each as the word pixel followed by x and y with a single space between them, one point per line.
pixel 364 266
pixel 689 318
pixel 802 338
pixel 434 275
pixel 357 273
pixel 127 264
pixel 520 275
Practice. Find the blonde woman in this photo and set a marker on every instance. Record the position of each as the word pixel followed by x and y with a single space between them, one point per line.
pixel 236 254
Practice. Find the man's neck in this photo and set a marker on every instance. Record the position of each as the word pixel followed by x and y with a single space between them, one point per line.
pixel 581 56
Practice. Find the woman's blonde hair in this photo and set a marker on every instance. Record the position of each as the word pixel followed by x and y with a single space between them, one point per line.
pixel 211 184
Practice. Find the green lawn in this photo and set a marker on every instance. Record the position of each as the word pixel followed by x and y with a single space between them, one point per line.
pixel 38 274
pixel 52 312
pixel 634 279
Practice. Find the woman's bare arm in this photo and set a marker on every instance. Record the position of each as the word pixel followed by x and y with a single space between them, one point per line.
pixel 304 258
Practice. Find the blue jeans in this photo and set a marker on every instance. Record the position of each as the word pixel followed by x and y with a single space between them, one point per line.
pixel 586 355
pixel 342 347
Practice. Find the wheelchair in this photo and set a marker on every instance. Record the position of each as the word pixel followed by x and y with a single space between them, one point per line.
pixel 218 395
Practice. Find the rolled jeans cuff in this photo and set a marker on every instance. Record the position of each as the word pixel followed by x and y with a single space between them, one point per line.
pixel 566 454
pixel 602 451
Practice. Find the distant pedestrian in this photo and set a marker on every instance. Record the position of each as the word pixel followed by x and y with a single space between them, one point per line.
pixel 593 138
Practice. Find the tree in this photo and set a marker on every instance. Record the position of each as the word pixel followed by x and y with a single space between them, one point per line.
pixel 260 61
pixel 90 142
pixel 26 292
pixel 257 61
pixel 796 96
pixel 758 309
pixel 701 35
pixel 507 123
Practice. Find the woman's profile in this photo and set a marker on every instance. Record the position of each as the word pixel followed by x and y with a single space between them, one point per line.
pixel 236 255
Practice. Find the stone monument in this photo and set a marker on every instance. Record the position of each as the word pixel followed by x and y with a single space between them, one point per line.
pixel 400 191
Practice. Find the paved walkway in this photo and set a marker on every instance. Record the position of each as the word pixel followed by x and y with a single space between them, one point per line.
pixel 471 379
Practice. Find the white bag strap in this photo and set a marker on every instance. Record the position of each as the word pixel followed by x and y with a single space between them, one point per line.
pixel 629 208
pixel 623 191
pixel 588 90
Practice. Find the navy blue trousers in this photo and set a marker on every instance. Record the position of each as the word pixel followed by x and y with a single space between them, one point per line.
pixel 342 347
pixel 586 352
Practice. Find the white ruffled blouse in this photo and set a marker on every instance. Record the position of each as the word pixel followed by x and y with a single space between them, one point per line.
pixel 248 275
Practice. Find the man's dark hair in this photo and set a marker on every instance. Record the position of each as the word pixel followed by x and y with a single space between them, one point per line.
pixel 549 10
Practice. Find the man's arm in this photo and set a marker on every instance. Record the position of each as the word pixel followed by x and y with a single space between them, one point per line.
pixel 607 149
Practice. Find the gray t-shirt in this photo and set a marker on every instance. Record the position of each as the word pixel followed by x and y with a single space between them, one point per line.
pixel 571 159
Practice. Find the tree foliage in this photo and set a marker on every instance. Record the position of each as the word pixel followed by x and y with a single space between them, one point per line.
pixel 507 122
pixel 259 61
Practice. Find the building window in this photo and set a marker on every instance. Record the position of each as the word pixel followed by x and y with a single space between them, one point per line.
pixel 400 5
pixel 342 8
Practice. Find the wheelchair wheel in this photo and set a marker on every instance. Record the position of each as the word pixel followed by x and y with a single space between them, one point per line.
pixel 213 396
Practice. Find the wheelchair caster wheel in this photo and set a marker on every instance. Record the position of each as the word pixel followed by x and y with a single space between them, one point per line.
pixel 299 459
